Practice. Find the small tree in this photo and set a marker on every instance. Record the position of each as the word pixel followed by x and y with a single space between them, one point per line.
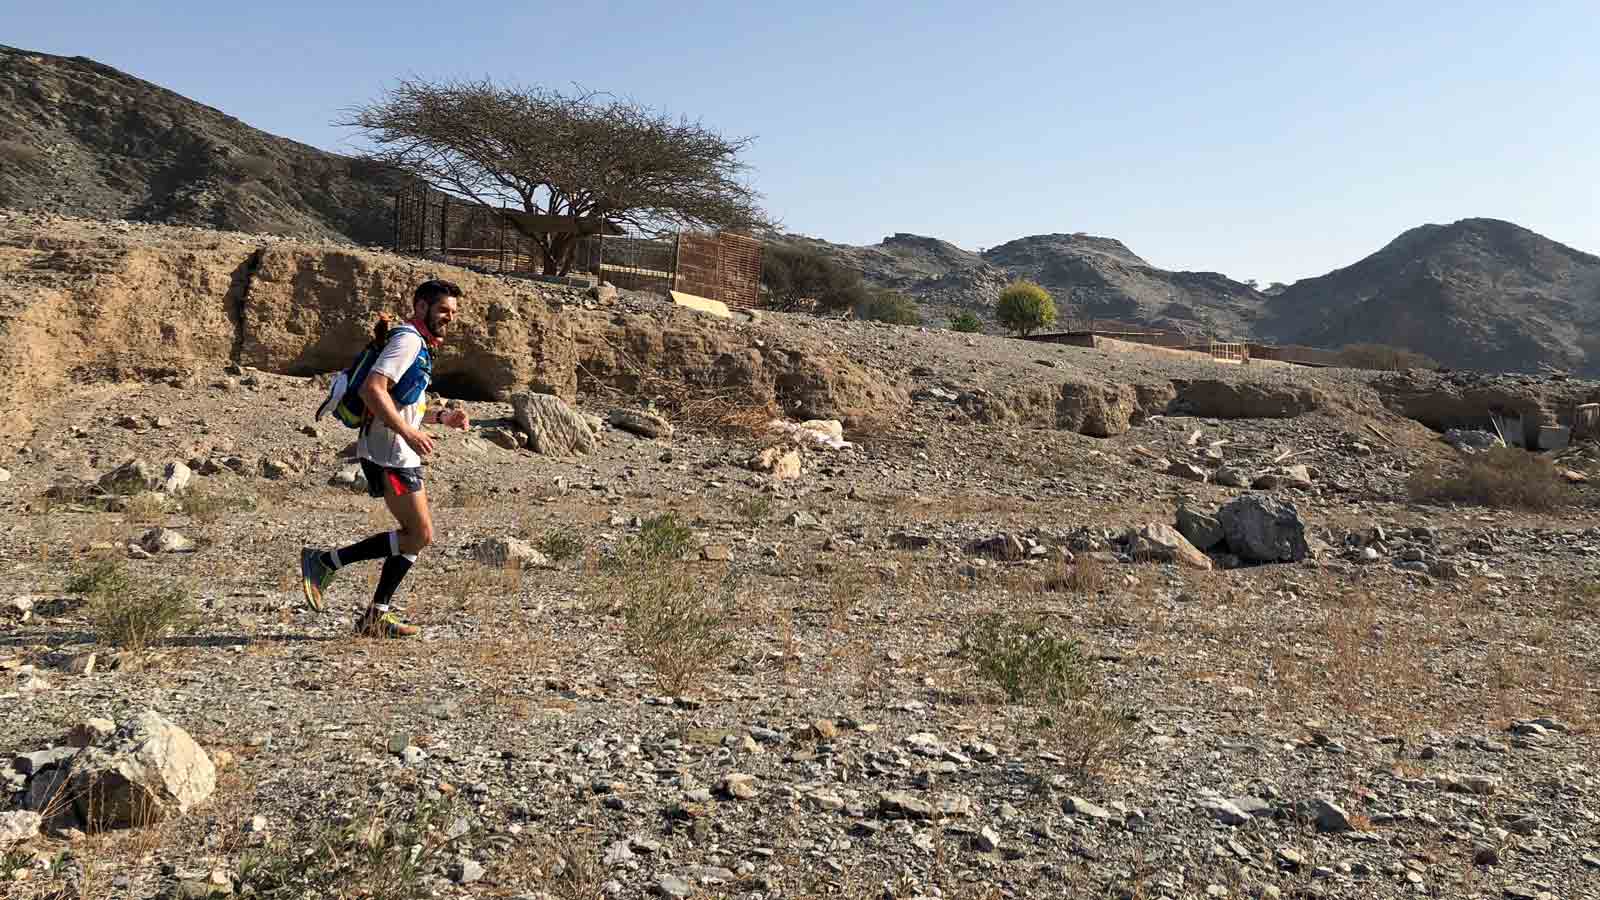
pixel 892 307
pixel 1025 307
pixel 792 274
pixel 584 155
pixel 965 322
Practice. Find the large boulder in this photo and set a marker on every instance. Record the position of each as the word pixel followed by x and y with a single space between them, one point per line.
pixel 1097 410
pixel 553 427
pixel 1163 543
pixel 1261 528
pixel 150 770
pixel 16 827
pixel 1203 530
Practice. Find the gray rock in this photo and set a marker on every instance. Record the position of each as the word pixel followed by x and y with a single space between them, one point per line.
pixel 466 871
pixel 1163 543
pixel 1227 476
pixel 553 427
pixel 132 477
pixel 16 827
pixel 739 786
pixel 1187 471
pixel 1200 529
pixel 1297 476
pixel 503 553
pixel 151 770
pixel 1225 812
pixel 904 804
pixel 1328 816
pixel 987 840
pixel 1080 807
pixel 175 479
pixel 673 886
pixel 39 760
pixel 165 540
pixel 89 733
pixel 617 854
pixel 639 422
pixel 1260 528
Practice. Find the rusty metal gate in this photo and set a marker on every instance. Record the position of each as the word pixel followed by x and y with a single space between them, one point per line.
pixel 724 267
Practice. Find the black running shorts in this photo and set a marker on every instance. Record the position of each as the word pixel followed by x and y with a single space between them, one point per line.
pixel 382 480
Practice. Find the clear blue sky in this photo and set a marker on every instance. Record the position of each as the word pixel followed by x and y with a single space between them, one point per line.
pixel 1249 138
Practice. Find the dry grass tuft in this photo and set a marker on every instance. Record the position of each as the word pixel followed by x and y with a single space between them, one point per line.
pixel 1501 478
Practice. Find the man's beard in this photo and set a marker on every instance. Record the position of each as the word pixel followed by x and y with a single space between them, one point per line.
pixel 435 325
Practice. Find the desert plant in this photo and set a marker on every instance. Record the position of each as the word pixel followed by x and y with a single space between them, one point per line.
pixel 107 576
pixel 147 506
pixel 1027 660
pixel 1384 357
pixel 890 306
pixel 660 540
pixel 1025 307
pixel 254 165
pixel 380 853
pixel 966 322
pixel 1501 477
pixel 756 508
pixel 676 625
pixel 560 545
pixel 1088 734
pixel 795 275
pixel 136 619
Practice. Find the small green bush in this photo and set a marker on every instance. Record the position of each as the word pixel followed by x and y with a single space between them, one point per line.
pixel 677 626
pixel 136 619
pixel 891 307
pixel 1501 478
pixel 108 576
pixel 560 545
pixel 661 539
pixel 1025 307
pixel 379 854
pixel 966 322
pixel 1027 660
pixel 756 508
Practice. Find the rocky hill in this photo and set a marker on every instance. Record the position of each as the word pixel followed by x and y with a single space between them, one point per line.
pixel 1091 277
pixel 81 138
pixel 1478 293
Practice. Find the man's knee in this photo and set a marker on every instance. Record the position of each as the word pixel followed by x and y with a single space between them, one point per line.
pixel 413 540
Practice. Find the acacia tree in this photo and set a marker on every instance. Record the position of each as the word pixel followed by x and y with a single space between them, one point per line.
pixel 584 154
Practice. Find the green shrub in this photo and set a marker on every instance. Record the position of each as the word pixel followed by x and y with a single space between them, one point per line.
pixel 756 508
pixel 891 307
pixel 378 854
pixel 676 625
pixel 966 322
pixel 1025 307
pixel 560 545
pixel 660 540
pixel 108 576
pixel 136 619
pixel 1027 661
pixel 796 275
pixel 1502 478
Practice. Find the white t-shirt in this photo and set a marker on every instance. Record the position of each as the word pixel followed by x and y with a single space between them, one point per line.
pixel 377 442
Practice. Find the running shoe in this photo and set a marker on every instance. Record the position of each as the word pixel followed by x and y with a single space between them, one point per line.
pixel 315 576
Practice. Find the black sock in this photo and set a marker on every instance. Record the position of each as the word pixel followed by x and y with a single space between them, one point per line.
pixel 378 546
pixel 394 569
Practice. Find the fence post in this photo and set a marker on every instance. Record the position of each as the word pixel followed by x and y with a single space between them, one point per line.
pixel 444 226
pixel 501 266
pixel 397 195
pixel 677 249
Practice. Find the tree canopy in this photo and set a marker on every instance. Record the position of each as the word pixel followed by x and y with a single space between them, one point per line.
pixel 1025 307
pixel 582 154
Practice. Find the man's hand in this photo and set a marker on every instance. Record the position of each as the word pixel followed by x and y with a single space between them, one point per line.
pixel 454 418
pixel 418 441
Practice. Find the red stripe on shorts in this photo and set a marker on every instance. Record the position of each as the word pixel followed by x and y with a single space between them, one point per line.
pixel 400 489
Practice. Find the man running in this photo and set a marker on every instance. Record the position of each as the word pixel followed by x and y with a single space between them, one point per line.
pixel 391 447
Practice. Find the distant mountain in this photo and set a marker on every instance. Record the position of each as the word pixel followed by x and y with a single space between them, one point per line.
pixel 1478 293
pixel 81 138
pixel 1090 277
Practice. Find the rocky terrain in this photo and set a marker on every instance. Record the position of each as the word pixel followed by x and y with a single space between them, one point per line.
pixel 1090 278
pixel 1294 681
pixel 1478 293
pixel 82 138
